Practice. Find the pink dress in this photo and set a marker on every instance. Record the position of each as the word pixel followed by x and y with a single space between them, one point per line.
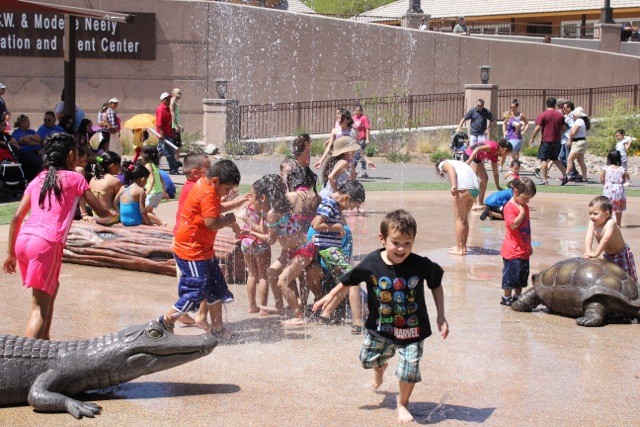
pixel 41 238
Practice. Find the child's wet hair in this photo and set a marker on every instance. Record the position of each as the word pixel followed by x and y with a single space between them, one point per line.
pixel 132 171
pixel 150 154
pixel 346 115
pixel 353 189
pixel 226 171
pixel 503 143
pixel 614 158
pixel 620 131
pixel 298 144
pixel 524 186
pixel 103 161
pixel 195 161
pixel 603 203
pixel 302 176
pixel 517 163
pixel 275 190
pixel 57 147
pixel 401 221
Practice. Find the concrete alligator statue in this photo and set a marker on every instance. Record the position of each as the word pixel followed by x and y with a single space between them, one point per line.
pixel 43 373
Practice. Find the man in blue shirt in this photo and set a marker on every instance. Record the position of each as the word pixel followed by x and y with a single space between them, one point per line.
pixel 49 126
pixel 481 122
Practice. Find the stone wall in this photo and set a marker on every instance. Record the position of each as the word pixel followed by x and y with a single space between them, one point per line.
pixel 275 56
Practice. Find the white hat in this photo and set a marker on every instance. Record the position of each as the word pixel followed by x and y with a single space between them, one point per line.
pixel 2 86
pixel 113 101
pixel 579 112
pixel 164 95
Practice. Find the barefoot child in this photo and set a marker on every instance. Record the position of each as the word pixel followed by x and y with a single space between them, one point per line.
pixel 257 257
pixel 613 176
pixel 516 247
pixel 105 183
pixel 608 236
pixel 130 199
pixel 37 243
pixel 464 189
pixel 155 188
pixel 200 219
pixel 329 225
pixel 398 318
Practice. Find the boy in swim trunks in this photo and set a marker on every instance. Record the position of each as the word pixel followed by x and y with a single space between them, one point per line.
pixel 200 219
pixel 611 245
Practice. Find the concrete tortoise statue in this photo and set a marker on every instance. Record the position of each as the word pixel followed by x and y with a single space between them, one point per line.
pixel 44 373
pixel 587 289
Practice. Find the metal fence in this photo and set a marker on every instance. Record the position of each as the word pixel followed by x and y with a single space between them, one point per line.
pixel 532 101
pixel 412 111
pixel 391 112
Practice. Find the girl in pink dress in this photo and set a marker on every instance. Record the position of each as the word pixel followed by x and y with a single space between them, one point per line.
pixel 36 244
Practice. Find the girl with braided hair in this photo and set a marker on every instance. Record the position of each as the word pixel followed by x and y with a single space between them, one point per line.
pixel 105 183
pixel 36 244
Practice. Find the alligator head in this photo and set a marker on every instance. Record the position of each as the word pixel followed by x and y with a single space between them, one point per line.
pixel 150 348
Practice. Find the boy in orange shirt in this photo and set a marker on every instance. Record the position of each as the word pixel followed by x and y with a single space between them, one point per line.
pixel 200 219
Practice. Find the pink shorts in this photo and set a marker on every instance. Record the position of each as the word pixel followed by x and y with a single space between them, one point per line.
pixel 39 261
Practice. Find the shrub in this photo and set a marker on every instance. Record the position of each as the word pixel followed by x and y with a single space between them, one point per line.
pixel 371 150
pixel 614 115
pixel 397 157
pixel 435 156
pixel 529 151
pixel 317 147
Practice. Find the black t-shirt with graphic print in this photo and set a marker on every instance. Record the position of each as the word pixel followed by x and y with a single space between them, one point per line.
pixel 396 300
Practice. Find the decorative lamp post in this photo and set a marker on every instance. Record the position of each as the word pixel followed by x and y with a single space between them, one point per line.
pixel 606 13
pixel 485 70
pixel 221 88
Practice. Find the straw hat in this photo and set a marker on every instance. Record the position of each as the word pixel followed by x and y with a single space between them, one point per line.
pixel 344 144
pixel 579 112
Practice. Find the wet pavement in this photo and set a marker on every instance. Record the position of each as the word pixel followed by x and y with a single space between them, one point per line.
pixel 497 368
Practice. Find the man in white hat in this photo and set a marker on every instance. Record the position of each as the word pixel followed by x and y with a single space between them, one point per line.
pixel 114 126
pixel 166 136
pixel 176 120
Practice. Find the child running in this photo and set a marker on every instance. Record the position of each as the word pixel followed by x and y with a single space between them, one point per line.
pixel 398 318
pixel 516 247
pixel 200 219
pixel 329 225
pixel 607 234
pixel 37 243
pixel 130 199
pixel 155 188
pixel 613 177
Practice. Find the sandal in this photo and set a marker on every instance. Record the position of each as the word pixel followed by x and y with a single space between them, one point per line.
pixel 356 329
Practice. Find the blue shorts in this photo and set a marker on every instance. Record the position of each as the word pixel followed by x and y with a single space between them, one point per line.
pixel 199 280
pixel 515 274
pixel 376 351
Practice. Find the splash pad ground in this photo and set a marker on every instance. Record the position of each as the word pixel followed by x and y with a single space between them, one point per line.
pixel 498 367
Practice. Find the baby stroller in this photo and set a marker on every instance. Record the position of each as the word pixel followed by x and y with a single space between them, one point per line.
pixel 458 144
pixel 12 180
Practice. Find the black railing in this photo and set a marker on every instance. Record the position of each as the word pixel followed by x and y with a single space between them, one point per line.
pixel 412 111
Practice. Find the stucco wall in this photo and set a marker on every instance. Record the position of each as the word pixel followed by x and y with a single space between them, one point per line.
pixel 274 56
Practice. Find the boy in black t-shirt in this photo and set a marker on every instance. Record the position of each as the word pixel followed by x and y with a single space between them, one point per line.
pixel 398 318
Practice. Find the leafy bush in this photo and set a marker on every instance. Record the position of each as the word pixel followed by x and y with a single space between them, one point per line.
pixel 435 156
pixel 317 147
pixel 371 150
pixel 614 115
pixel 528 150
pixel 397 157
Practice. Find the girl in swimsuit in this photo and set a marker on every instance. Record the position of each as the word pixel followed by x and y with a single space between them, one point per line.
pixel 339 168
pixel 105 183
pixel 130 200
pixel 268 196
pixel 344 128
pixel 304 200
